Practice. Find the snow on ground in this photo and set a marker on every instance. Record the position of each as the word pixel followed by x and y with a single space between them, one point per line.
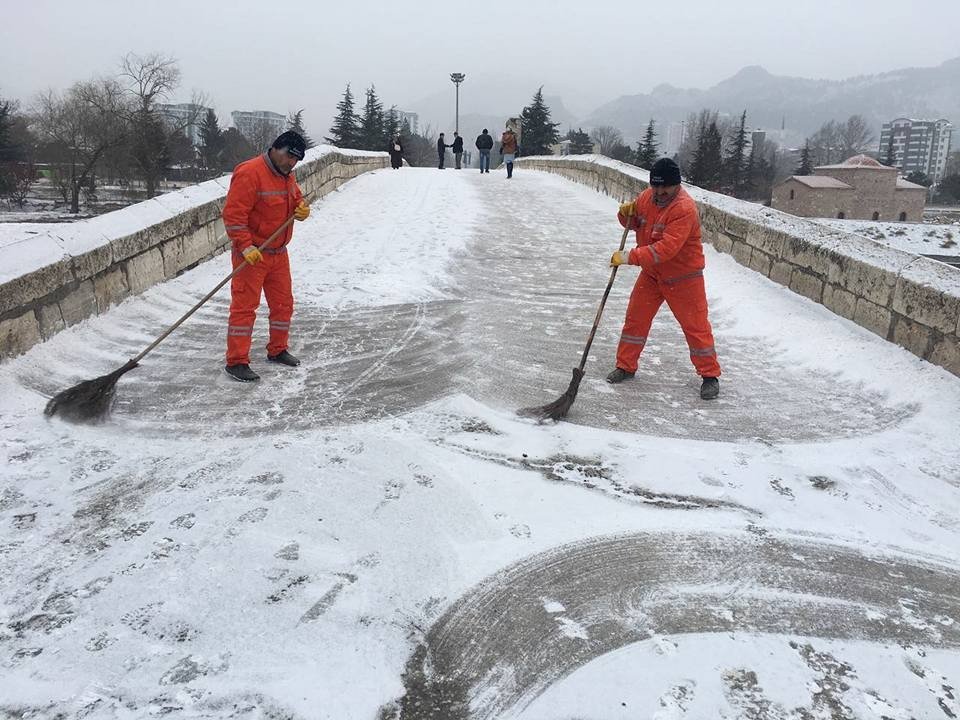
pixel 919 238
pixel 376 534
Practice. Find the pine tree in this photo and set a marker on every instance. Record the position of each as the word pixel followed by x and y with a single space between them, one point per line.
pixel 211 140
pixel 538 132
pixel 706 168
pixel 734 177
pixel 371 122
pixel 345 132
pixel 295 123
pixel 391 126
pixel 647 148
pixel 805 167
pixel 579 142
pixel 890 159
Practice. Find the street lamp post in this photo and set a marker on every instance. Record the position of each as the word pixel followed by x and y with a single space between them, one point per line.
pixel 457 78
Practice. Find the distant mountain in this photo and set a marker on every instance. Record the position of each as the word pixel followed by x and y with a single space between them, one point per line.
pixel 801 105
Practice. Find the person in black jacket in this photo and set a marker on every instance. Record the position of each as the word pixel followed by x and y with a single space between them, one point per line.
pixel 441 149
pixel 396 153
pixel 457 147
pixel 484 145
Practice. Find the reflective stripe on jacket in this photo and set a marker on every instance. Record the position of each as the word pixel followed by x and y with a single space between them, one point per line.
pixel 260 200
pixel 668 239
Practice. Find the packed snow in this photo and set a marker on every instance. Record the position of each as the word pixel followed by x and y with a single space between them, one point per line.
pixel 376 534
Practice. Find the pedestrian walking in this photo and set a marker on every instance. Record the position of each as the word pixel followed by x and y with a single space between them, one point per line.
pixel 508 149
pixel 457 148
pixel 263 194
pixel 670 253
pixel 395 149
pixel 484 144
pixel 441 149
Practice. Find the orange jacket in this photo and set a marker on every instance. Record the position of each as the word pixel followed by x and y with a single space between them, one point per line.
pixel 259 200
pixel 508 143
pixel 668 239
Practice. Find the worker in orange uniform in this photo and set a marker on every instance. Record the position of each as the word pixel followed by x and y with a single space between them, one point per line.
pixel 670 254
pixel 263 195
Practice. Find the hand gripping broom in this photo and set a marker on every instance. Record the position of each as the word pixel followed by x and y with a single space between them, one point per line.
pixel 558 409
pixel 90 400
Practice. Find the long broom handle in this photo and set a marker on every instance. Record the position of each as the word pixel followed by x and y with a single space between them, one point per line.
pixel 606 293
pixel 203 300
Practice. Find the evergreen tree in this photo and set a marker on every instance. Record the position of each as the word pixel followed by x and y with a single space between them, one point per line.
pixel 805 167
pixel 345 132
pixel 734 164
pixel 211 140
pixel 391 126
pixel 538 132
pixel 890 159
pixel 918 177
pixel 706 170
pixel 371 122
pixel 295 123
pixel 647 148
pixel 579 142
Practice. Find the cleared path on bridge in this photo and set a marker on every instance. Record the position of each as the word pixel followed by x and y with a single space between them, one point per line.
pixel 336 533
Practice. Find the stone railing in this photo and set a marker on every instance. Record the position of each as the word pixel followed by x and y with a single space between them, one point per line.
pixel 56 275
pixel 905 298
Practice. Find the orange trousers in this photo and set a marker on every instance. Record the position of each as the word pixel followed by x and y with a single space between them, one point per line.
pixel 270 276
pixel 687 299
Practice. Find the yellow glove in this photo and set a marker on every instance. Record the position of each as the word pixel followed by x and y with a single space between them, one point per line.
pixel 620 257
pixel 302 212
pixel 628 208
pixel 252 255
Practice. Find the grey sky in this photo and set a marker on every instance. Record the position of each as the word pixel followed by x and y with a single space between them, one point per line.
pixel 252 54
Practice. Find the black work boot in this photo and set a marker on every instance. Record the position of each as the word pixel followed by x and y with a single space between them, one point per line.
pixel 284 358
pixel 619 375
pixel 243 373
pixel 710 388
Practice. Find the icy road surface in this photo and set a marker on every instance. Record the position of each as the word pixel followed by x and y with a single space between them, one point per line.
pixel 376 535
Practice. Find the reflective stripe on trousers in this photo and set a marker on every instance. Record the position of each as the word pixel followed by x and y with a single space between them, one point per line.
pixel 687 301
pixel 269 277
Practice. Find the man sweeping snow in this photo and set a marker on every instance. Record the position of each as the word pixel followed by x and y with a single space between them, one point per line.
pixel 670 254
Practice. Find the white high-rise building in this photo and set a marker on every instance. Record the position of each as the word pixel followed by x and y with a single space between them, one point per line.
pixel 412 118
pixel 258 126
pixel 918 145
pixel 187 116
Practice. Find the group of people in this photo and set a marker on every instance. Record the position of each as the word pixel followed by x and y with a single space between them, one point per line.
pixel 264 197
pixel 509 149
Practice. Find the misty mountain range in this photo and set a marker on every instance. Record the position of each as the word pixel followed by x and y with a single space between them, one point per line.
pixel 800 105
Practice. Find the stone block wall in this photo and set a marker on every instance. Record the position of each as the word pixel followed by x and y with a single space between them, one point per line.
pixel 62 276
pixel 905 298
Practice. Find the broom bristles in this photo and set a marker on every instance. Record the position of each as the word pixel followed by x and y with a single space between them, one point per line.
pixel 558 409
pixel 88 401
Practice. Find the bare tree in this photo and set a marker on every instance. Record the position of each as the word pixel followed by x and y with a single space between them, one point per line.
pixel 825 144
pixel 855 137
pixel 148 81
pixel 605 139
pixel 81 125
pixel 261 135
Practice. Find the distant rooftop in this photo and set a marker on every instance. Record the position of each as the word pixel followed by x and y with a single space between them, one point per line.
pixel 857 161
pixel 821 181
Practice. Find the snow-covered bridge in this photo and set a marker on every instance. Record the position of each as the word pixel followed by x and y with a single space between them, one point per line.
pixel 375 534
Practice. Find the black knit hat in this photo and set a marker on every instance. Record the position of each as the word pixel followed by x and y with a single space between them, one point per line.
pixel 665 172
pixel 293 143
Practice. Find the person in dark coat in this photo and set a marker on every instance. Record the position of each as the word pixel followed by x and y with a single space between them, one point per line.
pixel 457 147
pixel 484 145
pixel 396 153
pixel 441 149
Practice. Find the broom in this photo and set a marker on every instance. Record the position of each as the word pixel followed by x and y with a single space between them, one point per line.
pixel 90 400
pixel 559 408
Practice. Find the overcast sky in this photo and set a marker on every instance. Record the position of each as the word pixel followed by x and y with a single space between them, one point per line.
pixel 255 54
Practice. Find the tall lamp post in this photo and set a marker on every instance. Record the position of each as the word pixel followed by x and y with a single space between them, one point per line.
pixel 458 78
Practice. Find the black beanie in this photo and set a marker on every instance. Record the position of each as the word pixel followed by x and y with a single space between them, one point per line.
pixel 292 143
pixel 665 172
